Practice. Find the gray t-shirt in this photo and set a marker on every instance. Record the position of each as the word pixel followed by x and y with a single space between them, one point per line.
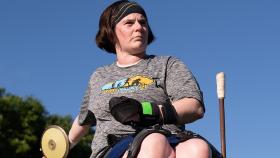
pixel 149 80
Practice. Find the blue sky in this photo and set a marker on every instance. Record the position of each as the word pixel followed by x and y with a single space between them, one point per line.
pixel 47 50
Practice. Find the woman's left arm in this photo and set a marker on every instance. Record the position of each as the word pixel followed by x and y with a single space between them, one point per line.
pixel 188 110
pixel 184 92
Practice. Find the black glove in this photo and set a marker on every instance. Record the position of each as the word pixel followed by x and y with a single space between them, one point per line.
pixel 129 111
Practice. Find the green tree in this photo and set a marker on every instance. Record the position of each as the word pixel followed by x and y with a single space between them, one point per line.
pixel 22 122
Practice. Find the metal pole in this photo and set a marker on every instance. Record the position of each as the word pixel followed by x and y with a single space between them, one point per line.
pixel 220 77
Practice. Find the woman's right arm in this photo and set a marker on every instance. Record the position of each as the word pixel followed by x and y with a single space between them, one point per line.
pixel 77 132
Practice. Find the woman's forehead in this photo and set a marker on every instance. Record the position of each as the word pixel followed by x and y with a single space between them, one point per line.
pixel 133 16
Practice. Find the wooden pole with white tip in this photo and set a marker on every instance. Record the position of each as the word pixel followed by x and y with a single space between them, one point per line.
pixel 220 79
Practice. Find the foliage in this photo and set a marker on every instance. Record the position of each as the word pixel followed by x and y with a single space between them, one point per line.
pixel 22 122
pixel 83 148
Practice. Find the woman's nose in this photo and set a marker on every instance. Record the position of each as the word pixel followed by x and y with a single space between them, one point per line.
pixel 138 25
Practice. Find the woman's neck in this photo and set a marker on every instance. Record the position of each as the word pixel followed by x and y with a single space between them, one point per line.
pixel 125 59
pixel 128 65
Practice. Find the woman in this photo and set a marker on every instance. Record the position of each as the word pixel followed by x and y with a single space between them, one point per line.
pixel 139 91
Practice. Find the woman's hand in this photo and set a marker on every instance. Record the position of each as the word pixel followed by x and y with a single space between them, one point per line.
pixel 129 111
pixel 125 110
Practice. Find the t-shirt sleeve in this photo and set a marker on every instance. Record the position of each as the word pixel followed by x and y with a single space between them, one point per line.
pixel 86 117
pixel 180 82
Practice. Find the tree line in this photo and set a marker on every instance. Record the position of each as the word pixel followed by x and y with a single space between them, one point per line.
pixel 22 123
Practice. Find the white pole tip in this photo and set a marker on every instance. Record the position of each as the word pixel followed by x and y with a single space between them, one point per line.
pixel 220 79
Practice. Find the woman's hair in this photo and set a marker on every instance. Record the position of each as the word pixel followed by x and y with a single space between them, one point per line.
pixel 106 37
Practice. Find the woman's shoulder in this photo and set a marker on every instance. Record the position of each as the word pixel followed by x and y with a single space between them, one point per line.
pixel 163 59
pixel 99 71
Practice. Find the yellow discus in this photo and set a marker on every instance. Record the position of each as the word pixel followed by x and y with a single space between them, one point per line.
pixel 54 142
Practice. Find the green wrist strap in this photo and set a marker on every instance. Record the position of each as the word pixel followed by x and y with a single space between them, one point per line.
pixel 150 113
pixel 147 108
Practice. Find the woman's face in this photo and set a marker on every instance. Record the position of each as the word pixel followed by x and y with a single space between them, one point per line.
pixel 132 34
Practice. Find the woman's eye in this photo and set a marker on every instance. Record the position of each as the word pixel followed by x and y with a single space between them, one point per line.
pixel 143 22
pixel 129 23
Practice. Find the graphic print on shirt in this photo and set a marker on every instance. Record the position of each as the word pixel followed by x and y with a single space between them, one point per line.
pixel 129 84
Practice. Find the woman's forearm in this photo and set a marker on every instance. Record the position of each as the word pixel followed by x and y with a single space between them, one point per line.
pixel 77 132
pixel 188 110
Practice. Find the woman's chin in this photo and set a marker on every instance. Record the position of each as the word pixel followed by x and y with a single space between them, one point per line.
pixel 139 47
